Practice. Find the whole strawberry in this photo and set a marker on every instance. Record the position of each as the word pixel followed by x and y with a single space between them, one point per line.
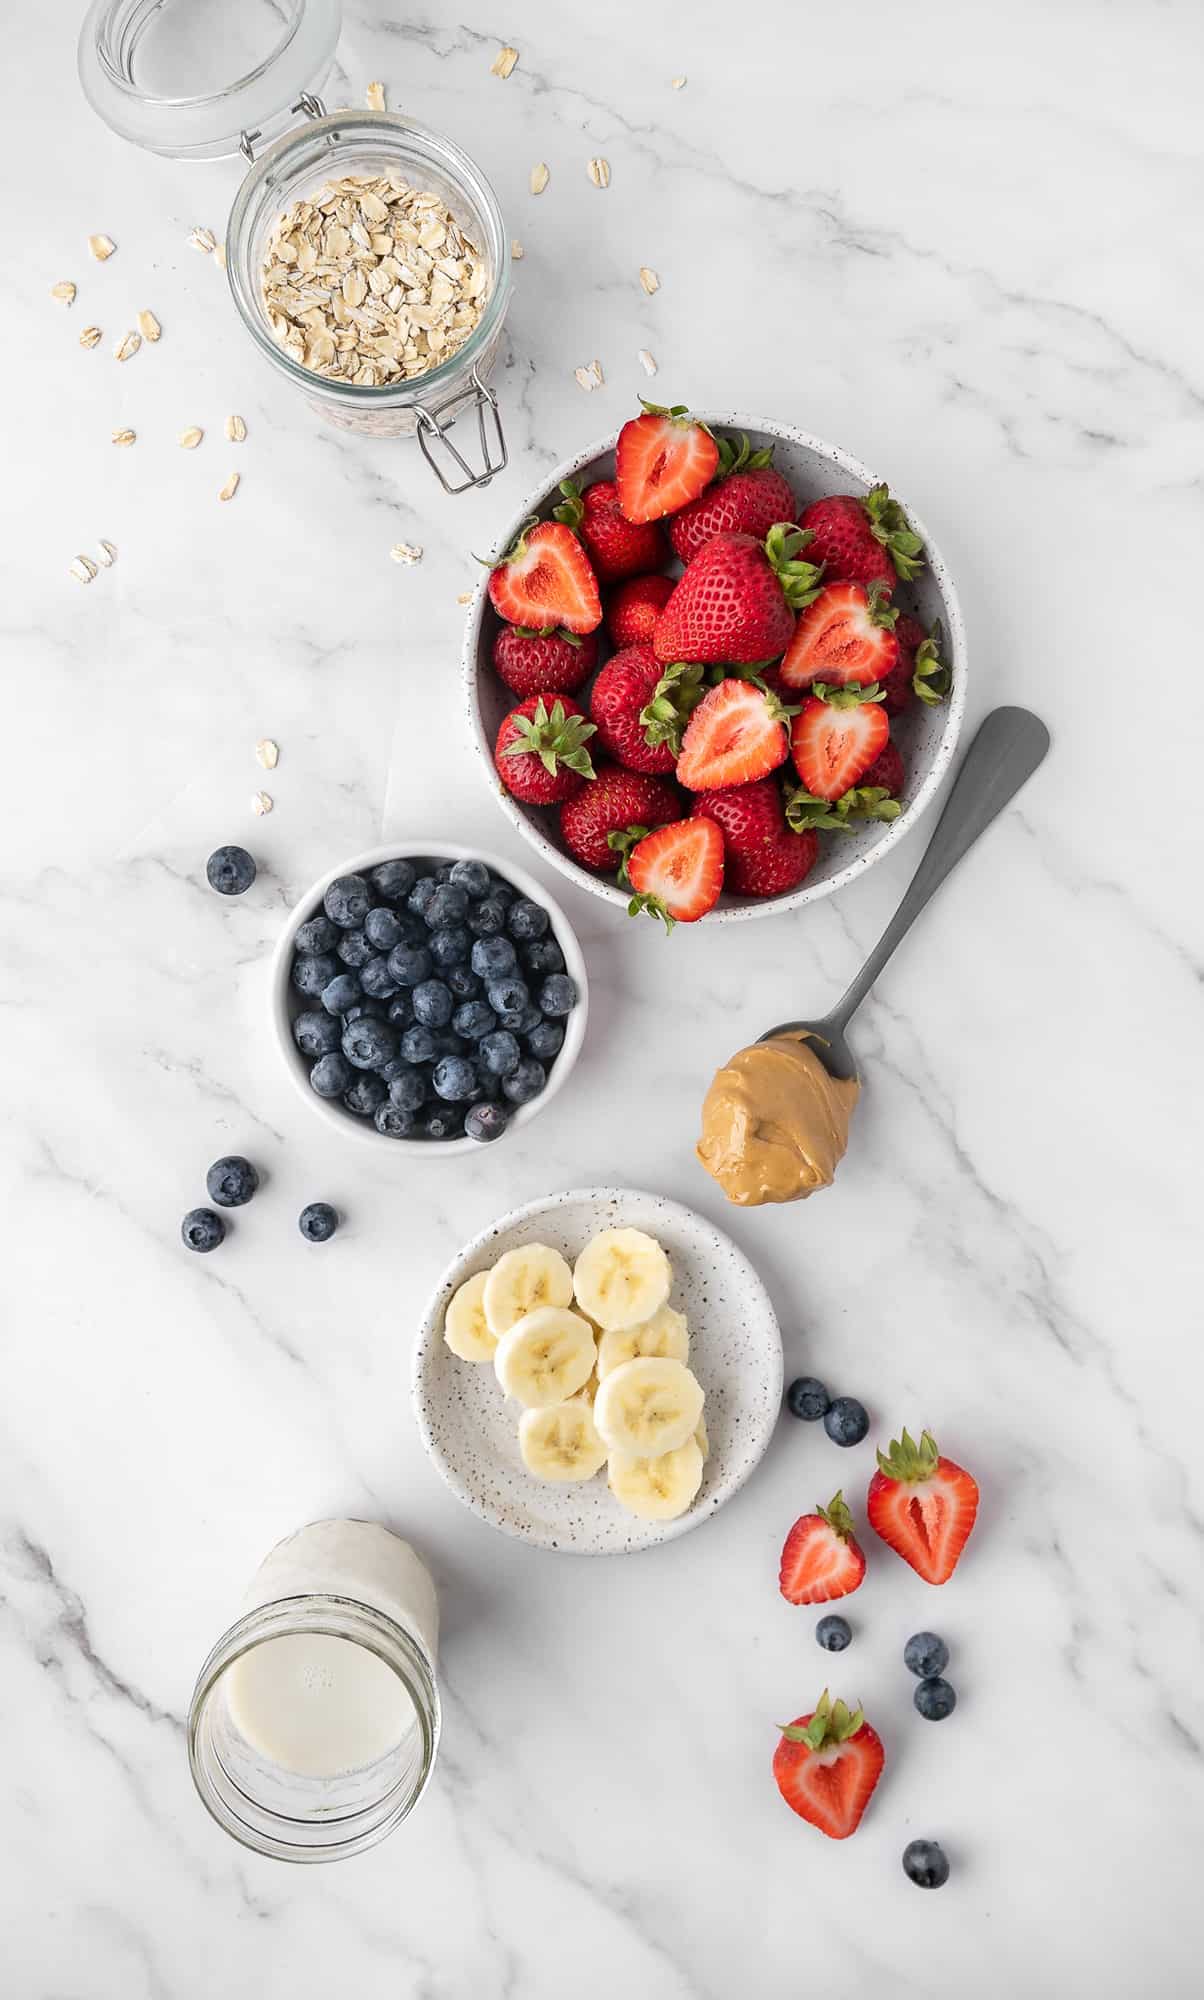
pixel 543 662
pixel 886 772
pixel 617 547
pixel 746 499
pixel 633 607
pixel 920 670
pixel 738 600
pixel 764 858
pixel 640 708
pixel 540 751
pixel 616 802
pixel 863 541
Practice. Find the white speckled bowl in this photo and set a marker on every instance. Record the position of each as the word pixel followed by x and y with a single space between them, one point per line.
pixel 471 1430
pixel 287 1003
pixel 927 737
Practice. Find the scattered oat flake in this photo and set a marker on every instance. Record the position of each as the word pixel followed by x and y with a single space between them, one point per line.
pixel 406 552
pixel 678 82
pixel 149 326
pixel 90 336
pixel 190 439
pixel 268 753
pixel 465 597
pixel 262 803
pixel 108 554
pixel 124 437
pixel 83 569
pixel 101 247
pixel 376 97
pixel 647 361
pixel 203 239
pixel 516 250
pixel 599 172
pixel 539 177
pixel 127 345
pixel 503 62
pixel 230 488
pixel 219 255
pixel 236 430
pixel 649 280
pixel 590 377
pixel 64 291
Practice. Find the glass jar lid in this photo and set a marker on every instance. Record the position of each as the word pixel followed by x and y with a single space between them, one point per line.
pixel 194 79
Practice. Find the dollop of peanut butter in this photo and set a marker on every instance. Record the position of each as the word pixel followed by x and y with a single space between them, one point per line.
pixel 775 1125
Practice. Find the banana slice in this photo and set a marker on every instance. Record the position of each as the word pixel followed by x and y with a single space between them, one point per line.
pixel 545 1357
pixel 646 1407
pixel 561 1443
pixel 657 1489
pixel 701 1439
pixel 621 1278
pixel 665 1334
pixel 523 1280
pixel 464 1327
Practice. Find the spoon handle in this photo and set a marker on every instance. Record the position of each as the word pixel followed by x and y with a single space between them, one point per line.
pixel 1003 756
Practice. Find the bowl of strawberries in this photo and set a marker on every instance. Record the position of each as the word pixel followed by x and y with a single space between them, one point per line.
pixel 717 669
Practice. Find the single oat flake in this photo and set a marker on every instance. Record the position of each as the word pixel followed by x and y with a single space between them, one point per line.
pixel 127 346
pixel 236 430
pixel 102 247
pixel 90 336
pixel 503 62
pixel 230 488
pixel 149 326
pixel 108 554
pixel 376 97
pixel 406 552
pixel 219 255
pixel 203 239
pixel 83 569
pixel 268 753
pixel 591 377
pixel 599 172
pixel 539 177
pixel 465 597
pixel 262 803
pixel 190 439
pixel 516 249
pixel 649 280
pixel 678 82
pixel 124 437
pixel 647 361
pixel 65 292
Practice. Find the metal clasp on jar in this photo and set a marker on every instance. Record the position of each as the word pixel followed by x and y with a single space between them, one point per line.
pixel 434 425
pixel 308 102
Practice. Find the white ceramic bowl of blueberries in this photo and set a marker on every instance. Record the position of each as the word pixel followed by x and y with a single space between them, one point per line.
pixel 426 996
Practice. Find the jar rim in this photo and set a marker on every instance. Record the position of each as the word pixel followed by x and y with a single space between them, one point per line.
pixel 122 79
pixel 414 389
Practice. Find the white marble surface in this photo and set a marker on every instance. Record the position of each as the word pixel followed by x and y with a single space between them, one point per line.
pixel 963 242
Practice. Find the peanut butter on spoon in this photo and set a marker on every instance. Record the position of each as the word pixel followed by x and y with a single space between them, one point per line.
pixel 774 1123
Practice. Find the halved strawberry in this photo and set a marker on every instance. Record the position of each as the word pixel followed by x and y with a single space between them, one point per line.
pixel 764 857
pixel 662 460
pixel 826 1766
pixel 820 1557
pixel 633 607
pixel 540 752
pixel 617 547
pixel 834 742
pixel 846 637
pixel 735 734
pixel 922 1505
pixel 677 872
pixel 618 802
pixel 546 580
pixel 548 662
pixel 867 541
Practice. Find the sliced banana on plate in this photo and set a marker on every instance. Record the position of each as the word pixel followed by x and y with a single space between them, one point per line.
pixel 657 1489
pixel 621 1277
pixel 561 1443
pixel 546 1357
pixel 523 1280
pixel 665 1334
pixel 646 1407
pixel 464 1325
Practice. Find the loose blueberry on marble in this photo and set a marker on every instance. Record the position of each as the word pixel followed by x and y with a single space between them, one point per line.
pixel 347 901
pixel 231 1181
pixel 485 1122
pixel 926 1864
pixel 524 1084
pixel 231 871
pixel 318 934
pixel 557 996
pixel 342 992
pixel 846 1421
pixel 925 1655
pixel 317 1222
pixel 369 1044
pixel 488 918
pixel 355 948
pixel 393 879
pixel 499 1053
pixel 472 877
pixel 382 928
pixel 935 1699
pixel 310 975
pixel 833 1633
pixel 394 1121
pixel 545 1040
pixel 366 1095
pixel 494 957
pixel 331 1075
pixel 807 1398
pixel 525 921
pixel 202 1229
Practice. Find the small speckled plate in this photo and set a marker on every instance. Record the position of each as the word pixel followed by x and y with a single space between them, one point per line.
pixel 471 1430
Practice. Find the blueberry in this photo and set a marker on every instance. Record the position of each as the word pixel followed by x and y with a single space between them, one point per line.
pixel 544 955
pixel 464 982
pixel 382 929
pixel 500 1054
pixel 393 879
pixel 472 877
pixel 486 1121
pixel 393 1121
pixel 355 948
pixel 420 895
pixel 443 870
pixel 833 1633
pixel 926 1864
pixel 316 934
pixel 494 958
pixel 448 906
pixel 391 1070
pixel 545 1040
pixel 368 1043
pixel 455 1080
pixel 310 975
pixel 377 980
pixel 409 964
pixel 925 1655
pixel 316 1033
pixel 342 992
pixel 807 1398
pixel 366 1095
pixel 348 901
pixel 445 1121
pixel 317 1222
pixel 201 1229
pixel 473 1020
pixel 507 995
pixel 845 1420
pixel 935 1699
pixel 451 946
pixel 448 1043
pixel 503 890
pixel 557 996
pixel 231 1181
pixel 521 1020
pixel 524 1084
pixel 366 1009
pixel 407 1090
pixel 231 871
pixel 401 1010
pixel 526 921
pixel 487 919
pixel 433 1003
pixel 331 1075
pixel 418 1044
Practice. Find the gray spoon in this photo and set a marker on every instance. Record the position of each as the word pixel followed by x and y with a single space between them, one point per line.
pixel 1003 756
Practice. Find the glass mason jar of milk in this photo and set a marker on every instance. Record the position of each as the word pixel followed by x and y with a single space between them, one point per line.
pixel 315 1720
